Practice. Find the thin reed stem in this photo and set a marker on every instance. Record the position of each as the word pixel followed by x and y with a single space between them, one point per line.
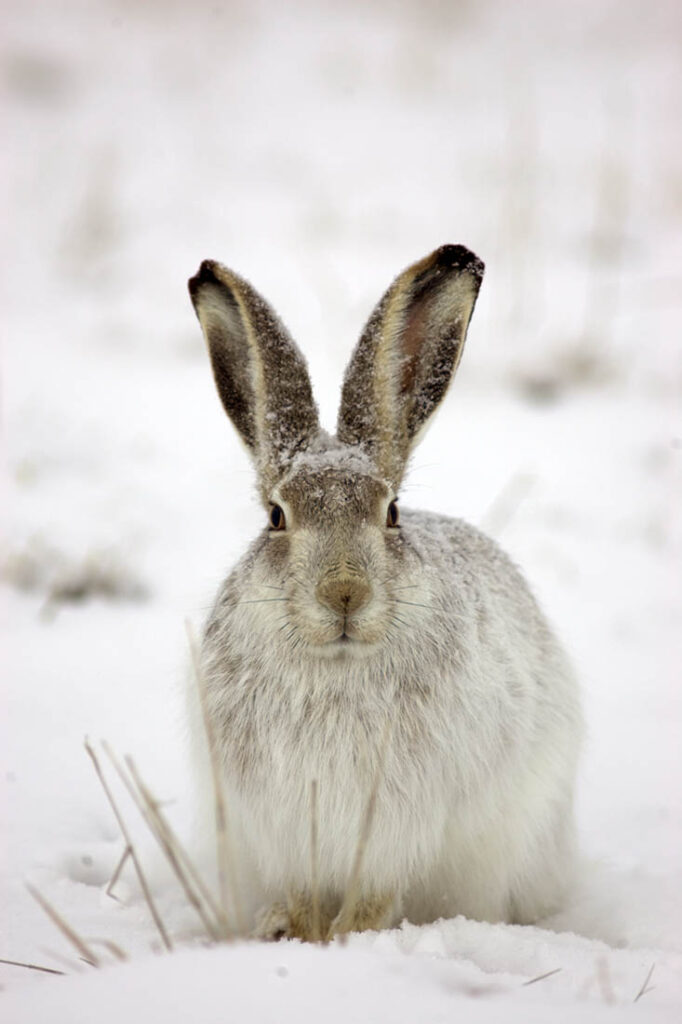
pixel 165 938
pixel 64 927
pixel 117 873
pixel 645 985
pixel 541 977
pixel 176 856
pixel 31 967
pixel 315 863
pixel 226 867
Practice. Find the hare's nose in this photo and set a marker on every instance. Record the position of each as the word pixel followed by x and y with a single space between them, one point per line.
pixel 343 594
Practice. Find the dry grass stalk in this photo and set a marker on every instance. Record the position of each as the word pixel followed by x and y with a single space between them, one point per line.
pixel 645 985
pixel 226 868
pixel 31 967
pixel 65 928
pixel 117 873
pixel 112 947
pixel 506 503
pixel 196 892
pixel 71 966
pixel 344 918
pixel 541 977
pixel 314 863
pixel 165 938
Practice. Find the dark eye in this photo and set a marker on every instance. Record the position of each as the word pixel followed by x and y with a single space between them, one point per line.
pixel 393 515
pixel 277 519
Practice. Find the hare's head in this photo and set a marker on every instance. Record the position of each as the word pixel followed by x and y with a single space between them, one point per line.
pixel 334 540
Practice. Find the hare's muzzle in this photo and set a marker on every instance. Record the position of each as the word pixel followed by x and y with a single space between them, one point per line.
pixel 343 594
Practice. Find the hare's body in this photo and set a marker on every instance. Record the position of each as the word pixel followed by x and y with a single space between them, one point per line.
pixel 406 671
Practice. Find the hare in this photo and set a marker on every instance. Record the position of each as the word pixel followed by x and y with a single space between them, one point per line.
pixel 395 659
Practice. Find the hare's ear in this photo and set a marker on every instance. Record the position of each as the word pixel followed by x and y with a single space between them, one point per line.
pixel 261 376
pixel 407 355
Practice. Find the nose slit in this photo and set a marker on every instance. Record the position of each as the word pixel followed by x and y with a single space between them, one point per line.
pixel 343 594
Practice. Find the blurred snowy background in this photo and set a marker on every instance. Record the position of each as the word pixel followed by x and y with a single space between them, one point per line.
pixel 318 148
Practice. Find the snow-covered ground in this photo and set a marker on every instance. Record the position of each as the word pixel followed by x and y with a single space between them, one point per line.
pixel 318 148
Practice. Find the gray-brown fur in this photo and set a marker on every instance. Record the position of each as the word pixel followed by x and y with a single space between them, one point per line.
pixel 260 373
pixel 295 918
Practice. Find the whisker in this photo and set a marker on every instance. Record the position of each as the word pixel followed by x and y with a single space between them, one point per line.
pixel 413 604
pixel 261 600
pixel 396 618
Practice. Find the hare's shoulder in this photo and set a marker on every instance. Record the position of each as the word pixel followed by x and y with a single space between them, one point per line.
pixel 456 548
pixel 456 538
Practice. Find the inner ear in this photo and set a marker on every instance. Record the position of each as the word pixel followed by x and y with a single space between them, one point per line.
pixel 230 356
pixel 260 373
pixel 406 356
pixel 411 344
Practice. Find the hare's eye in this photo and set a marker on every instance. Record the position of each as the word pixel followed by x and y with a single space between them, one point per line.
pixel 277 519
pixel 393 515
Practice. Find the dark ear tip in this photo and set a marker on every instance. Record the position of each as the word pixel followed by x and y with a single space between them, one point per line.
pixel 206 274
pixel 459 258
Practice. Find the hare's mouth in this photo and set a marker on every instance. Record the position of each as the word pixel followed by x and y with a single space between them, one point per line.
pixel 345 646
pixel 349 641
pixel 345 639
pixel 345 643
pixel 345 635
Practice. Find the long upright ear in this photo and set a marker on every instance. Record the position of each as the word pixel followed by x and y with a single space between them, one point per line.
pixel 261 376
pixel 407 355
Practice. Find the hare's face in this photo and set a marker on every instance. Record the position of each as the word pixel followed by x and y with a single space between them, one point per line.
pixel 337 547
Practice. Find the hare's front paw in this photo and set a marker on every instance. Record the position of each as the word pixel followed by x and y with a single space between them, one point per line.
pixel 273 923
pixel 298 918
pixel 367 914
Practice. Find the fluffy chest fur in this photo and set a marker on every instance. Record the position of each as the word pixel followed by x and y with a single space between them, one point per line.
pixel 431 719
pixel 346 728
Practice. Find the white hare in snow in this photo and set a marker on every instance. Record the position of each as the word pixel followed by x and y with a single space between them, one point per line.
pixel 384 654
